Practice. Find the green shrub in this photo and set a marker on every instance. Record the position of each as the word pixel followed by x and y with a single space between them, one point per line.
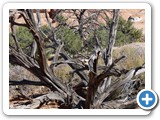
pixel 102 35
pixel 24 37
pixel 72 40
pixel 60 18
pixel 126 33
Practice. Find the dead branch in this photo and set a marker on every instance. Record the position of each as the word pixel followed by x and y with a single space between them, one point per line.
pixel 57 52
pixel 38 18
pixel 119 83
pixel 119 104
pixel 49 23
pixel 33 49
pixel 81 74
pixel 14 34
pixel 109 72
pixel 107 55
pixel 112 37
pixel 43 72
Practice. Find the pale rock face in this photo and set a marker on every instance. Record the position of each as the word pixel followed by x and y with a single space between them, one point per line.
pixel 135 19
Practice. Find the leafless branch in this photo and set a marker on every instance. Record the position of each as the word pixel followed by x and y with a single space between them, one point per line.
pixel 14 35
pixel 49 23
pixel 38 18
pixel 119 83
pixel 107 55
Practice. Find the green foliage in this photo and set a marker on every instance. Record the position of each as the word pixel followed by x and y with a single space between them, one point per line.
pixel 24 37
pixel 126 34
pixel 72 41
pixel 60 18
pixel 102 35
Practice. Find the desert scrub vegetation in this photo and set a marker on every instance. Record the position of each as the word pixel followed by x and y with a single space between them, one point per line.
pixel 83 70
pixel 72 40
pixel 63 72
pixel 25 38
pixel 126 34
pixel 135 56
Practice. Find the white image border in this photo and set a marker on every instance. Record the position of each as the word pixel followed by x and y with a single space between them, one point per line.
pixel 16 5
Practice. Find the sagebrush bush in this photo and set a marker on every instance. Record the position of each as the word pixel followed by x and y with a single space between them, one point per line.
pixel 63 72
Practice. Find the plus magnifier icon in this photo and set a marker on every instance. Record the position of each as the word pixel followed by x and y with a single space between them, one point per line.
pixel 147 99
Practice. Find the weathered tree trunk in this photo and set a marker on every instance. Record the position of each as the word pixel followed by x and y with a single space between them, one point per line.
pixel 107 55
pixel 92 74
pixel 95 81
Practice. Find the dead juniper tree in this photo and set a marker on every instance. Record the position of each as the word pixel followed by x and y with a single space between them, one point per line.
pixel 96 85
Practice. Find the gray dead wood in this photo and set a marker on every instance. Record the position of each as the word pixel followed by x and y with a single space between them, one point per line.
pixel 95 80
pixel 93 61
pixel 116 85
pixel 120 104
pixel 107 55
pixel 38 18
pixel 38 67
